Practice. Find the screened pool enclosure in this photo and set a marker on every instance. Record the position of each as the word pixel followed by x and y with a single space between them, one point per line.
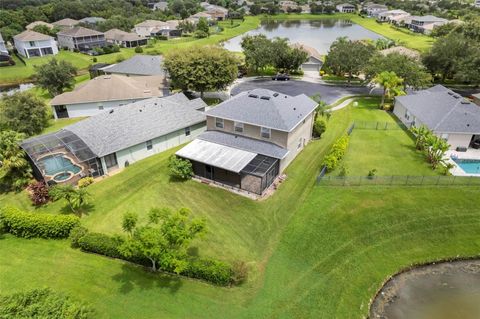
pixel 61 157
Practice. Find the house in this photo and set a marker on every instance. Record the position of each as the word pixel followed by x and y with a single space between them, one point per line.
pixel 33 44
pixel 32 25
pixel 161 6
pixel 477 3
pixel 216 12
pixel 66 23
pixel 105 93
pixel 403 51
pixel 400 20
pixel 251 138
pixel 386 16
pixel 288 6
pixel 152 28
pixel 444 112
pixel 314 62
pixel 4 55
pixel 346 8
pixel 92 21
pixel 80 38
pixel 373 9
pixel 110 141
pixel 124 39
pixel 138 65
pixel 476 98
pixel 194 18
pixel 305 8
pixel 425 24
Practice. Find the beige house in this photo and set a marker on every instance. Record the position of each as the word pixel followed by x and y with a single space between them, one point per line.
pixel 251 138
pixel 125 39
pixel 314 62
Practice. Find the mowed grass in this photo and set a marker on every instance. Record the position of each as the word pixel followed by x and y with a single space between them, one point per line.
pixel 313 252
pixel 390 152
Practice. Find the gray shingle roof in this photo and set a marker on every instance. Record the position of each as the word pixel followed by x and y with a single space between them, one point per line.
pixel 266 108
pixel 244 143
pixel 79 32
pixel 29 35
pixel 1 38
pixel 442 110
pixel 135 123
pixel 138 65
pixel 92 20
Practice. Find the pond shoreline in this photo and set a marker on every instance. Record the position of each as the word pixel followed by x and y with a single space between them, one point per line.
pixel 400 291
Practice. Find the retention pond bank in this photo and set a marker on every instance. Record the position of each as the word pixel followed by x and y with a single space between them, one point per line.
pixel 437 291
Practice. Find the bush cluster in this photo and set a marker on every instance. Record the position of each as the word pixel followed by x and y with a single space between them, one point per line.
pixel 86 181
pixel 180 168
pixel 214 271
pixel 29 225
pixel 337 152
pixel 38 193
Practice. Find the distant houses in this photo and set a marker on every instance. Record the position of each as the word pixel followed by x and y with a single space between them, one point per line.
pixel 346 8
pixel 91 21
pixel 125 39
pixel 426 24
pixel 107 92
pixel 153 28
pixel 66 23
pixel 387 16
pixel 216 12
pixel 81 39
pixel 374 9
pixel 33 44
pixel 194 18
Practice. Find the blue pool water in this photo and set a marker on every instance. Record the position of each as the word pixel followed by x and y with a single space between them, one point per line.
pixel 469 166
pixel 57 163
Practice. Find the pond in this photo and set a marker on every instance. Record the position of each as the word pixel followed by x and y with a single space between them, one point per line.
pixel 11 89
pixel 438 291
pixel 316 33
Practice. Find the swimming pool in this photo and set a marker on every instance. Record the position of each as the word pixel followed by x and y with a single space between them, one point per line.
pixel 59 167
pixel 469 166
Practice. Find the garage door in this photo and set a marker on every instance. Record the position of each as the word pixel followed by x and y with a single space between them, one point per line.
pixel 310 67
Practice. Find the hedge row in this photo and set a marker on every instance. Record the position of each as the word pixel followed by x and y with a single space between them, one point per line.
pixel 209 270
pixel 336 153
pixel 29 225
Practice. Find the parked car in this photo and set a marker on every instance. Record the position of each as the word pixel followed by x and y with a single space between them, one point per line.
pixel 281 77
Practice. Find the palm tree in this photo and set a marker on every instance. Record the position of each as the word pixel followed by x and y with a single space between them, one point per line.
pixel 15 171
pixel 391 83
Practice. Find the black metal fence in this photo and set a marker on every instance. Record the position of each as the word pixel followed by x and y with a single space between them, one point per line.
pixel 440 180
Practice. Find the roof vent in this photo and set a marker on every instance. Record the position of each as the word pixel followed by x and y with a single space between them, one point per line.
pixel 265 98
pixel 110 112
pixel 275 94
pixel 465 102
pixel 450 93
pixel 285 96
pixel 456 96
pixel 294 108
pixel 253 95
pixel 140 110
pixel 147 91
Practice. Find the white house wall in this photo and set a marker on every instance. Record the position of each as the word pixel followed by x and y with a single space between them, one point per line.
pixel 459 140
pixel 160 144
pixel 21 46
pixel 93 108
pixel 301 135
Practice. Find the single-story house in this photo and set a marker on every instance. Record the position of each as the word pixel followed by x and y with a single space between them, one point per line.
pixel 106 93
pixel 110 141
pixel 80 38
pixel 125 39
pixel 373 9
pixel 401 20
pixel 251 138
pixel 425 24
pixel 388 15
pixel 444 112
pixel 346 8
pixel 138 65
pixel 34 44
pixel 152 28
pixel 314 62
pixel 4 55
pixel 194 18
pixel 92 20
pixel 217 12
pixel 403 51
pixel 32 25
pixel 66 23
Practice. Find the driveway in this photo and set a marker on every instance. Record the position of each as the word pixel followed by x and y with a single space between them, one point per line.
pixel 329 93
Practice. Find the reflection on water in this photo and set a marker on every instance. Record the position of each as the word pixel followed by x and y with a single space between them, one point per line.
pixel 11 89
pixel 316 33
pixel 441 291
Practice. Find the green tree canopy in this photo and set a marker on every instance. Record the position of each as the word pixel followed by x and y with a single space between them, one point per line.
pixel 257 50
pixel 201 69
pixel 15 171
pixel 391 83
pixel 285 57
pixel 23 112
pixel 56 76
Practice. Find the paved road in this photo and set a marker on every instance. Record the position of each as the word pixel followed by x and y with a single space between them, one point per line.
pixel 329 93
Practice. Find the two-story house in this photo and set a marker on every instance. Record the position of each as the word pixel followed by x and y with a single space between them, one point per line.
pixel 425 24
pixel 152 28
pixel 251 138
pixel 373 9
pixel 33 44
pixel 80 38
pixel 4 55
pixel 346 8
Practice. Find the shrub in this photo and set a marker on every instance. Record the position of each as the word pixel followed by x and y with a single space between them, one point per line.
pixel 42 303
pixel 319 127
pixel 38 193
pixel 330 161
pixel 115 48
pixel 161 37
pixel 213 271
pixel 86 181
pixel 100 244
pixel 120 58
pixel 180 168
pixel 138 49
pixel 94 60
pixel 199 34
pixel 107 50
pixel 343 171
pixel 372 173
pixel 240 272
pixel 75 235
pixel 336 153
pixel 28 225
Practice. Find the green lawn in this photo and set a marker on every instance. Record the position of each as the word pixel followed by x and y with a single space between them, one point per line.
pixel 390 152
pixel 314 252
pixel 407 38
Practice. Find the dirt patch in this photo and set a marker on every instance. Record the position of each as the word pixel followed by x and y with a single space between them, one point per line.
pixel 437 291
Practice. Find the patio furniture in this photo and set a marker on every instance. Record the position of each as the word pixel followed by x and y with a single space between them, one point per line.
pixel 476 145
pixel 461 149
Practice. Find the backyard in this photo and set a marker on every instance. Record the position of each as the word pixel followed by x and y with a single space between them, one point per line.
pixel 312 251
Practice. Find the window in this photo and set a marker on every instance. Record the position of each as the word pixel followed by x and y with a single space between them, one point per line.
pixel 149 145
pixel 299 142
pixel 100 107
pixel 32 43
pixel 187 131
pixel 265 132
pixel 218 122
pixel 111 160
pixel 238 127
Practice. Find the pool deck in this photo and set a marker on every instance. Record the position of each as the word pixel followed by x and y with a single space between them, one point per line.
pixel 471 154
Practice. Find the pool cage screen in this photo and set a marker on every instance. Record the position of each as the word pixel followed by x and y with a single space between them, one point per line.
pixel 259 174
pixel 61 157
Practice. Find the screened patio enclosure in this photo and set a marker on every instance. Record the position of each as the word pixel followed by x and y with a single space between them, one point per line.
pixel 61 157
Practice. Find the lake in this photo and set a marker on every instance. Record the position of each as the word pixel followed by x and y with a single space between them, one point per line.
pixel 316 33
